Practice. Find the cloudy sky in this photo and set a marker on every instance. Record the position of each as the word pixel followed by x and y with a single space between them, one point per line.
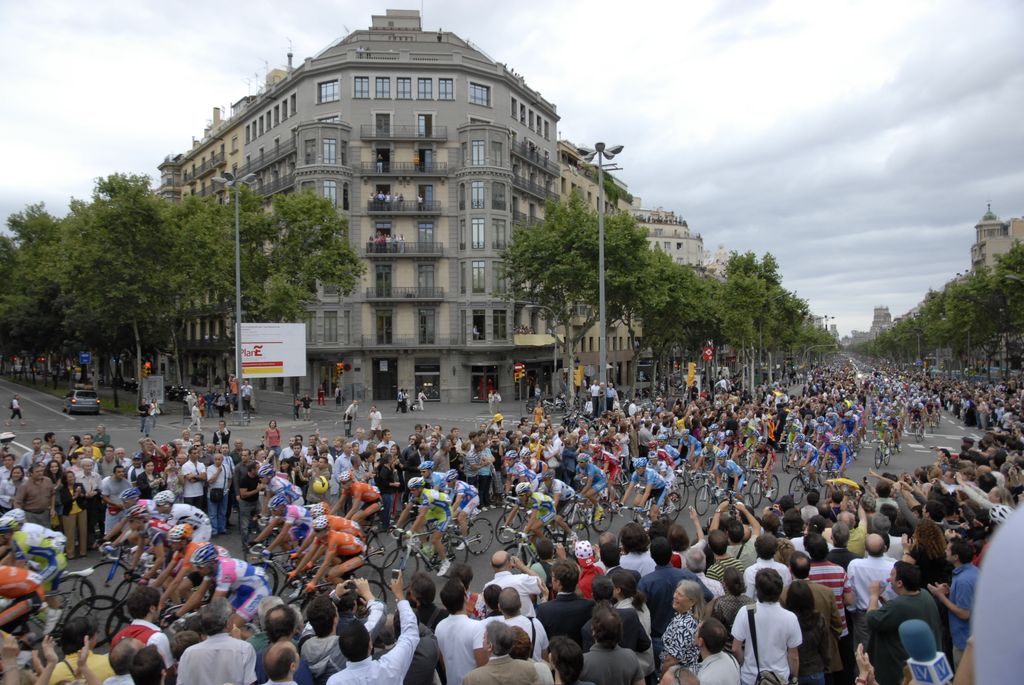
pixel 857 141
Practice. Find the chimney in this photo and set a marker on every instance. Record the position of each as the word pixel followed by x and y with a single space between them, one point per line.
pixel 216 117
pixel 289 60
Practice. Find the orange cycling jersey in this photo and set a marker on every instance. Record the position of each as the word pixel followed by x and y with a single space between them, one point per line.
pixel 364 492
pixel 343 544
pixel 16 582
pixel 340 524
pixel 179 557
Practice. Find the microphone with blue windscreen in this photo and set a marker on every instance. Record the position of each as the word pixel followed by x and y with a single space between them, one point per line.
pixel 927 664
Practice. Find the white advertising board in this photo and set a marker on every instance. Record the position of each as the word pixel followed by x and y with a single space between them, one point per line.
pixel 273 350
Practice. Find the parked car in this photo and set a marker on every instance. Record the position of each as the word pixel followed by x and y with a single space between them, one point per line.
pixel 82 402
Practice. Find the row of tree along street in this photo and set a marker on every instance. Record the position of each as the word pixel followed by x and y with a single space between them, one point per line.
pixel 125 271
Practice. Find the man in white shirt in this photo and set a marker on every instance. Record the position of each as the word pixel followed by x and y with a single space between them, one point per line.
pixel 717 666
pixel 194 473
pixel 376 419
pixel 778 632
pixel 357 647
pixel 526 582
pixel 875 566
pixel 220 658
pixel 458 634
pixel 766 545
pixel 595 398
pixel 511 606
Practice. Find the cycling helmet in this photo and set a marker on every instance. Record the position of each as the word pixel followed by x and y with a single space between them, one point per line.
pixel 583 459
pixel 206 554
pixel 684 432
pixel 139 511
pixel 17 514
pixel 722 454
pixel 9 524
pixel 584 439
pixel 427 466
pixel 652 443
pixel 345 476
pixel 451 475
pixel 1000 513
pixel 266 471
pixel 596 447
pixel 164 498
pixel 131 493
pixel 640 463
pixel 180 533
pixel 321 523
pixel 547 474
pixel 523 489
pixel 278 501
pixel 316 509
pixel 416 483
pixel 835 440
pixel 713 427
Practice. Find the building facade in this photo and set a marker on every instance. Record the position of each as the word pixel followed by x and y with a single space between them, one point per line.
pixel 670 234
pixel 433 152
pixel 994 237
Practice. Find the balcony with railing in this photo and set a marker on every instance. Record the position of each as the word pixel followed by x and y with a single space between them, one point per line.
pixel 374 132
pixel 409 293
pixel 403 169
pixel 525 220
pixel 276 186
pixel 268 157
pixel 394 341
pixel 402 207
pixel 532 153
pixel 533 188
pixel 401 248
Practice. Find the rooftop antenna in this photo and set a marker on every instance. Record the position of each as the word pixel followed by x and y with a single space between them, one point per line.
pixel 248 84
pixel 290 54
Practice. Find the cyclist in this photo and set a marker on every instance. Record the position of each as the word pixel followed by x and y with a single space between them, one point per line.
pixel 243 584
pixel 522 472
pixel 648 485
pixel 174 513
pixel 146 534
pixel 840 453
pixel 735 476
pixel 435 511
pixel 177 576
pixel 293 520
pixel 542 511
pixel 341 553
pixel 34 549
pixel 434 480
pixel 129 498
pixel 694 450
pixel 22 593
pixel 338 524
pixel 363 495
pixel 558 490
pixel 592 482
pixel 465 502
pixel 277 484
pixel 808 458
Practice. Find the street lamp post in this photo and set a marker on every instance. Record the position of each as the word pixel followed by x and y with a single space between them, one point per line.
pixel 602 153
pixel 228 180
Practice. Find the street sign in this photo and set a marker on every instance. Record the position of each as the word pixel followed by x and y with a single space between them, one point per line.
pixel 518 371
pixel 709 353
pixel 84 358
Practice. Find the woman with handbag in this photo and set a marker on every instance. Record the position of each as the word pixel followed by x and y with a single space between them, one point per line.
pixel 73 516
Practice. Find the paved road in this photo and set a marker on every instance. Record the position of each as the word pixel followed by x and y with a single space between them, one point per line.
pixel 42 413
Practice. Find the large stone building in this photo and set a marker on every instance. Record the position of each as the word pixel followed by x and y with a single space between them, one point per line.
pixel 994 237
pixel 433 151
pixel 670 234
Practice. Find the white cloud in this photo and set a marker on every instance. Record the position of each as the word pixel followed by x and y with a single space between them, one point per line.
pixel 858 141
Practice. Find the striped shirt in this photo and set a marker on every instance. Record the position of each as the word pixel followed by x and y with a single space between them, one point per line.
pixel 717 570
pixel 835 579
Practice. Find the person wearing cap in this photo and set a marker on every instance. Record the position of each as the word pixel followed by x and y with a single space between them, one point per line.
pixel 587 560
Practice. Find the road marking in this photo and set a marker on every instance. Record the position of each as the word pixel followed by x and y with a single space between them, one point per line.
pixel 40 404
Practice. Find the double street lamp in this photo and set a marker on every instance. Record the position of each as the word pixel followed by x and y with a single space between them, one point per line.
pixel 602 152
pixel 228 180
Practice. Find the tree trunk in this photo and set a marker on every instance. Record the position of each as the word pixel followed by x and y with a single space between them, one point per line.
pixel 138 357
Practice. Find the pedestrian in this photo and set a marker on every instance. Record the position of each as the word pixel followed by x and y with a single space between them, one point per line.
pixel 37 497
pixel 321 396
pixel 219 481
pixel 376 419
pixel 196 422
pixel 959 597
pixel 420 399
pixel 773 645
pixel 883 620
pixel 351 413
pixel 247 406
pixel 16 410
pixel 307 407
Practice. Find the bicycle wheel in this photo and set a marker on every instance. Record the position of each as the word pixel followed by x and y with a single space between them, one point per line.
pixel 106 576
pixel 772 493
pixel 77 588
pixel 886 456
pixel 123 589
pixel 702 499
pixel 603 516
pixel 878 456
pixel 507 534
pixel 98 607
pixel 481 535
pixel 673 505
pixel 754 493
pixel 578 523
pixel 796 488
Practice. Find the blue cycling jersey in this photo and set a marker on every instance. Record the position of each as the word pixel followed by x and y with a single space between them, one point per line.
pixel 695 448
pixel 650 477
pixel 594 475
pixel 729 468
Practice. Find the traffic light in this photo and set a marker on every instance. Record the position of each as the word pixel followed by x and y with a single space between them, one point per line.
pixel 147 369
pixel 577 376
pixel 691 373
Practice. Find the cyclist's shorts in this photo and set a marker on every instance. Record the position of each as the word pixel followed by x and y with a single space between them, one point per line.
pixel 545 515
pixel 469 505
pixel 437 521
pixel 658 496
pixel 599 486
pixel 247 598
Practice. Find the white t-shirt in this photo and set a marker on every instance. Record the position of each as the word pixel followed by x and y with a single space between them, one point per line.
pixel 375 420
pixel 778 631
pixel 524 584
pixel 751 573
pixel 193 488
pixel 456 636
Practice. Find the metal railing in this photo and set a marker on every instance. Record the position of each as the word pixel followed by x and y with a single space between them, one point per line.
pixel 405 341
pixel 391 132
pixel 533 188
pixel 268 157
pixel 405 293
pixel 276 186
pixel 532 153
pixel 521 218
pixel 395 168
pixel 402 207
pixel 400 248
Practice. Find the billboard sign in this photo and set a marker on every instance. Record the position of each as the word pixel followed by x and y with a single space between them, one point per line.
pixel 273 350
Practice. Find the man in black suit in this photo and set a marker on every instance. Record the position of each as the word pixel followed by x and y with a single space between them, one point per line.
pixel 567 612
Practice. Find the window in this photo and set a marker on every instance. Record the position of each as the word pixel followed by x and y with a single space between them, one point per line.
pixel 462 234
pixel 331 192
pixel 234 143
pixel 277 114
pixel 445 89
pixel 425 232
pixel 260 121
pixel 500 234
pixel 462 196
pixel 344 196
pixel 479 94
pixel 248 134
pixel 515 108
pixel 344 332
pixel 330 150
pixel 497 153
pixel 479 152
pixel 385 326
pixel 309 318
pixel 547 130
pixel 330 327
pixel 404 88
pixel 498 196
pixel 425 276
pixel 333 119
pixel 427 326
pixel 476 191
pixel 361 87
pixel 479 276
pixel 499 324
pixel 498 274
pixel 383 88
pixel 310 151
pixel 479 324
pixel 425 89
pixel 382 280
pixel 327 91
pixel 478 234
pixel 462 278
pixel 425 125
pixel 284 110
pixel 291 103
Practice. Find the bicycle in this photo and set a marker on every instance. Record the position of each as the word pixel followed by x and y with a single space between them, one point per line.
pixel 410 554
pixel 802 483
pixel 276 565
pixel 916 429
pixel 882 454
pixel 511 502
pixel 702 494
pixel 479 533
